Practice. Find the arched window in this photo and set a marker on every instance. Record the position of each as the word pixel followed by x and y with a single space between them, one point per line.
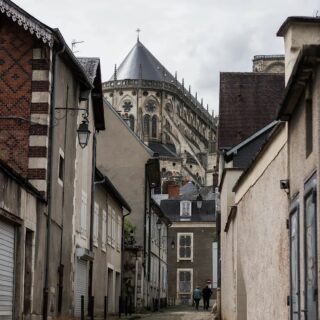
pixel 131 122
pixel 154 131
pixel 146 125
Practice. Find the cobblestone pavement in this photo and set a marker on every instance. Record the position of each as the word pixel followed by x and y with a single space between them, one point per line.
pixel 176 313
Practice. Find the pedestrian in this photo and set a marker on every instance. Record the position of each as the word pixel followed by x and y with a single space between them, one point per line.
pixel 197 296
pixel 206 293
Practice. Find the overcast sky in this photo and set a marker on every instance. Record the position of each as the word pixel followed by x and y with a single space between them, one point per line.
pixel 196 38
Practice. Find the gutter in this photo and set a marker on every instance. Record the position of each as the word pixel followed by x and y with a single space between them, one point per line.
pixel 50 183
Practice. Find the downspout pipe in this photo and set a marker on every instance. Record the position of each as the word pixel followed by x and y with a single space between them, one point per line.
pixel 94 151
pixel 122 252
pixel 50 183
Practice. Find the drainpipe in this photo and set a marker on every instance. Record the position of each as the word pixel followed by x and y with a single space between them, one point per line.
pixel 122 253
pixel 49 185
pixel 94 149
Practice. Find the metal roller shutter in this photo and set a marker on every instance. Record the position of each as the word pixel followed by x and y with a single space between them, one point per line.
pixel 81 286
pixel 7 249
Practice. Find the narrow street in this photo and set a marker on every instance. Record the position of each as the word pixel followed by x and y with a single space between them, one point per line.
pixel 177 313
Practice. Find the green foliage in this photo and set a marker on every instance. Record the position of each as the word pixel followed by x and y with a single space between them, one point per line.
pixel 129 233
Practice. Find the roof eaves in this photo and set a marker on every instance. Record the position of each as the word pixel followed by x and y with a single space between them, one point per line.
pixel 307 59
pixel 112 189
pixel 248 140
pixel 27 21
pixel 77 65
pixel 268 141
pixel 296 19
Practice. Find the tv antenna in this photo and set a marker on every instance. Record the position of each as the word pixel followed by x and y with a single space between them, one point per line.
pixel 74 44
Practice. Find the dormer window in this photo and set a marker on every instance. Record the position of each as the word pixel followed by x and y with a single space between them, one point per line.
pixel 185 208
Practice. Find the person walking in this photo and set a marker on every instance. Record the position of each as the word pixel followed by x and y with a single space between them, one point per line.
pixel 197 296
pixel 206 294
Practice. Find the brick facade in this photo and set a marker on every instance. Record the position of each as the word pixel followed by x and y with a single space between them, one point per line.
pixel 24 102
pixel 16 52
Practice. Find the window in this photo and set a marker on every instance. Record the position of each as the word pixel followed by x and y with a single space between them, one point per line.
pixel 146 125
pixel 184 279
pixel 154 126
pixel 109 222
pixel 61 167
pixel 185 208
pixel 104 231
pixel 96 224
pixel 131 122
pixel 113 227
pixel 119 234
pixel 185 246
pixel 83 213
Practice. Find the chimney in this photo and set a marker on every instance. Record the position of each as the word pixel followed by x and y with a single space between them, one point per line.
pixel 173 191
pixel 297 32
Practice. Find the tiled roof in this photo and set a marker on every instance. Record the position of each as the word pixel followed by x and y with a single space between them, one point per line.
pixel 163 150
pixel 171 208
pixel 90 65
pixel 141 63
pixel 248 102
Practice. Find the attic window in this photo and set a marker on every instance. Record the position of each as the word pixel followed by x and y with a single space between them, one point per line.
pixel 185 208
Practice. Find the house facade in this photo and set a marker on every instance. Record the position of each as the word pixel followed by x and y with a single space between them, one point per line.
pixel 190 244
pixel 134 170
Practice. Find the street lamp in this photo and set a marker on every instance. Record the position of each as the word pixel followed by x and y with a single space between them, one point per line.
pixel 199 201
pixel 159 226
pixel 83 133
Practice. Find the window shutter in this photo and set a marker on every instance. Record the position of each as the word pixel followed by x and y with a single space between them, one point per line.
pixel 96 224
pixel 83 213
pixel 104 231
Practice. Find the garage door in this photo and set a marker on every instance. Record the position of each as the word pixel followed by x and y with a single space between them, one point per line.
pixel 81 286
pixel 6 270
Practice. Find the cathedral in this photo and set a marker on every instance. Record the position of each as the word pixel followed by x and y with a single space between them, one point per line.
pixel 166 116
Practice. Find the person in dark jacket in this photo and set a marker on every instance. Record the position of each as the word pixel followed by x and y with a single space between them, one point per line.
pixel 206 293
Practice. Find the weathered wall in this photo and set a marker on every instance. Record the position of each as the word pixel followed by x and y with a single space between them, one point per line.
pixel 122 158
pixel 228 246
pixel 262 255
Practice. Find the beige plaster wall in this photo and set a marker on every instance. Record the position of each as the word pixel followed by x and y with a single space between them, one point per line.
pixel 262 237
pixel 228 246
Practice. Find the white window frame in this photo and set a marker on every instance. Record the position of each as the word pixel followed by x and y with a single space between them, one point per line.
pixel 178 280
pixel 179 235
pixel 83 214
pixel 114 230
pixel 104 230
pixel 185 209
pixel 109 224
pixel 119 233
pixel 96 224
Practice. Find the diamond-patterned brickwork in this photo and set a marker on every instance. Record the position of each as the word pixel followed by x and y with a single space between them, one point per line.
pixel 16 53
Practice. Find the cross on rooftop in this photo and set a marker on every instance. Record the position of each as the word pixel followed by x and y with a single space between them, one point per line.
pixel 138 32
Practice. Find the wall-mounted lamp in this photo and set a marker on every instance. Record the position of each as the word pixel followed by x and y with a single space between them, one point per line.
pixel 199 201
pixel 173 244
pixel 159 224
pixel 285 185
pixel 83 133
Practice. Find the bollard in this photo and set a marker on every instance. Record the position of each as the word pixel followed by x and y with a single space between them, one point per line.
pixel 82 308
pixel 120 305
pixel 92 308
pixel 105 311
pixel 126 305
pixel 130 305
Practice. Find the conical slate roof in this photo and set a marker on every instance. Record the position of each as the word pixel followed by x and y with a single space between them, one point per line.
pixel 141 63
